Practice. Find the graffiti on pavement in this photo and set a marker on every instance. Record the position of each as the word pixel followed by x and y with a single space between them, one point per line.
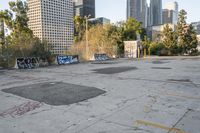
pixel 21 109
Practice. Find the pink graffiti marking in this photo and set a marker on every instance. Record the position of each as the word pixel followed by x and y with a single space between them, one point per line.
pixel 21 109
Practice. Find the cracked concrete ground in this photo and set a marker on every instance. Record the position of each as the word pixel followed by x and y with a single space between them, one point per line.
pixel 142 100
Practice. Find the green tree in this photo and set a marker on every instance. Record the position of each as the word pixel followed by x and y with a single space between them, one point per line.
pixel 114 35
pixel 5 18
pixel 192 42
pixel 101 39
pixel 131 29
pixel 187 40
pixel 169 39
pixel 21 42
pixel 182 31
pixel 20 9
pixel 80 27
pixel 40 49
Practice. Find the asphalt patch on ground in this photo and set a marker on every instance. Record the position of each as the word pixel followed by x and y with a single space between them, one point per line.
pixel 104 62
pixel 161 68
pixel 113 70
pixel 159 62
pixel 57 93
pixel 179 80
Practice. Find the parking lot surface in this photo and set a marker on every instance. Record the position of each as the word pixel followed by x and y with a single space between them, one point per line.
pixel 158 95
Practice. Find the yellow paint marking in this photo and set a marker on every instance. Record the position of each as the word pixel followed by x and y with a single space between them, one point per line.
pixel 159 126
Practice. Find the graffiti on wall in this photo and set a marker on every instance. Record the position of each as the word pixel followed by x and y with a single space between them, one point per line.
pixel 27 63
pixel 67 59
pixel 100 57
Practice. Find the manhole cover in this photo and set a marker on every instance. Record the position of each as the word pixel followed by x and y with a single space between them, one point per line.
pixel 161 68
pixel 113 70
pixel 57 93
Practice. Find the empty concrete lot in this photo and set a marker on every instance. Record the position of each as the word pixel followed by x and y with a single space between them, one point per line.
pixel 160 95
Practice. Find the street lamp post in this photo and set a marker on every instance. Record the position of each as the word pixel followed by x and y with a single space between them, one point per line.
pixel 86 36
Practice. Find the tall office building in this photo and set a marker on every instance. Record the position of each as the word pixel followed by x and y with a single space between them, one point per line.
pixel 169 16
pixel 156 12
pixel 137 9
pixel 84 8
pixel 100 20
pixel 196 26
pixel 149 23
pixel 52 21
pixel 172 6
pixel 171 9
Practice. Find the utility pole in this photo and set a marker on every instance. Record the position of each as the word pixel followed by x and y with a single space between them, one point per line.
pixel 1 37
pixel 86 36
pixel 5 53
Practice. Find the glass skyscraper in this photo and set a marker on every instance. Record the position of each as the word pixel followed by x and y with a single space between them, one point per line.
pixel 170 13
pixel 137 9
pixel 84 8
pixel 156 12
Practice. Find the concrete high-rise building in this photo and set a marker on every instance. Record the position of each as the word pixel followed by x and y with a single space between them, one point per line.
pixel 137 9
pixel 100 20
pixel 196 26
pixel 172 8
pixel 169 16
pixel 84 8
pixel 149 23
pixel 156 12
pixel 52 21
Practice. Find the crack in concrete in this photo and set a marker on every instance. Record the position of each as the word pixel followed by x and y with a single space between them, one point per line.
pixel 107 116
pixel 179 120
pixel 160 81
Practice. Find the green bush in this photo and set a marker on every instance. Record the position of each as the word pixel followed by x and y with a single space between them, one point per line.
pixel 157 48
pixel 7 64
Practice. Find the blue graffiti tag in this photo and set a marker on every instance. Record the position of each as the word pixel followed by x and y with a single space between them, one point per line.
pixel 67 59
pixel 101 57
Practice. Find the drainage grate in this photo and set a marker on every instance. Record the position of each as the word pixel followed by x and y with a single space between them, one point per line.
pixel 58 93
pixel 113 70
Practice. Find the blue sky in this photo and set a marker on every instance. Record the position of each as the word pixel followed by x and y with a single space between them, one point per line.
pixel 116 9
